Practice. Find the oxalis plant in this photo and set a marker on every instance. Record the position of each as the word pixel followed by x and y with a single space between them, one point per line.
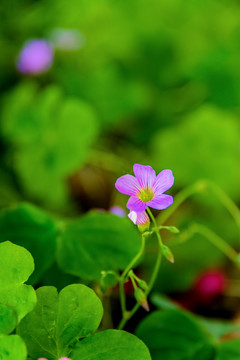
pixel 102 250
pixel 146 190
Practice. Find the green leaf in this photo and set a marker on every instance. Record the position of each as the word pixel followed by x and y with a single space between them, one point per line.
pixel 12 348
pixel 206 142
pixel 229 350
pixel 28 226
pixel 111 345
pixel 7 319
pixel 18 120
pixel 176 335
pixel 163 302
pixel 97 242
pixel 218 328
pixel 77 128
pixel 59 320
pixel 122 97
pixel 16 266
pixel 52 135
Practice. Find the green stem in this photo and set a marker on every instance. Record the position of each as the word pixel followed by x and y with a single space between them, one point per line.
pixel 133 280
pixel 153 276
pixel 155 271
pixel 218 242
pixel 172 229
pixel 179 199
pixel 215 239
pixel 122 297
pixel 195 188
pixel 124 275
pixel 134 260
pixel 130 314
pixel 159 256
pixel 227 202
pixel 155 229
pixel 140 282
pixel 150 286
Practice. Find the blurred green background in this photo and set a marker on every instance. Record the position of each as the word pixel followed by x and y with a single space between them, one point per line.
pixel 156 83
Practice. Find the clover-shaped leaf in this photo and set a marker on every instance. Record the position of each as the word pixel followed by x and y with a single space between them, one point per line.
pixel 177 335
pixel 30 227
pixel 12 348
pixel 16 266
pixel 7 319
pixel 51 134
pixel 58 321
pixel 96 242
pixel 111 345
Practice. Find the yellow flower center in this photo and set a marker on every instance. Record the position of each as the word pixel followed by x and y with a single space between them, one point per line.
pixel 146 195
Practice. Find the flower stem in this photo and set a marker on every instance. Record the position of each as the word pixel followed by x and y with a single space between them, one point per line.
pixel 155 229
pixel 122 278
pixel 122 297
pixel 215 239
pixel 180 198
pixel 155 271
pixel 135 259
pixel 153 276
pixel 226 201
pixel 198 187
pixel 150 286
pixel 159 256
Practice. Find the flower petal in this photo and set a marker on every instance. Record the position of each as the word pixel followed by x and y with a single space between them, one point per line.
pixel 160 202
pixel 133 216
pixel 140 218
pixel 127 184
pixel 135 204
pixel 163 182
pixel 145 175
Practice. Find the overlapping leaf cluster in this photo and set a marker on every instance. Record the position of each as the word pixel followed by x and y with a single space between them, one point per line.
pixel 51 324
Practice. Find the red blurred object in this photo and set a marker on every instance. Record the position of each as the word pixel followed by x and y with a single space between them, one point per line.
pixel 210 285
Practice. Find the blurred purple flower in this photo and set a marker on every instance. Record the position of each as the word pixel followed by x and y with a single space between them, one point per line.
pixel 146 189
pixel 140 218
pixel 117 210
pixel 35 57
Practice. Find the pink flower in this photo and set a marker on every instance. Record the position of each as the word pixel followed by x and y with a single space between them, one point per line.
pixel 140 218
pixel 146 189
pixel 35 57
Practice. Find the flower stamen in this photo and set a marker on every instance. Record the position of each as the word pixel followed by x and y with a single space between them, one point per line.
pixel 146 195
